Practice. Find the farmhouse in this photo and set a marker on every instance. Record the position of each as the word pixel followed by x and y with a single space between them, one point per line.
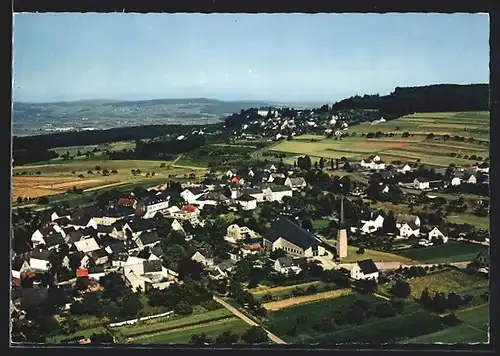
pixel 87 245
pixel 436 233
pixel 111 215
pixel 257 193
pixel 211 198
pixel 373 162
pixel 99 257
pixel 148 274
pixel 147 239
pixel 296 183
pixel 277 193
pixel 455 181
pixel 293 239
pixel 373 225
pixel 204 257
pixel 401 219
pixel 234 233
pixel 421 183
pixel 409 229
pixel 286 265
pixel 40 260
pixel 38 237
pixel 148 207
pixel 191 194
pixel 136 226
pixel 247 202
pixel 365 269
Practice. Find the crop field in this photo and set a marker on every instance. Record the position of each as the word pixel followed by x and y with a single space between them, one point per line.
pixel 182 335
pixel 262 290
pixel 290 302
pixel 447 281
pixel 477 317
pixel 376 256
pixel 452 251
pixel 432 152
pixel 84 333
pixel 482 222
pixel 463 333
pixel 35 187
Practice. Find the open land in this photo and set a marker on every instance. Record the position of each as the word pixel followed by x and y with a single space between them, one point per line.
pixel 452 251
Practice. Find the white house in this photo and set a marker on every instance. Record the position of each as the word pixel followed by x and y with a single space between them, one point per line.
pixel 296 183
pixel 257 193
pixel 40 260
pixel 373 225
pixel 401 219
pixel 247 202
pixel 385 189
pixel 435 233
pixel 234 233
pixel 373 162
pixel 277 193
pixel 148 274
pixel 471 179
pixel 408 230
pixel 87 245
pixel 404 168
pixel 455 181
pixel 286 265
pixel 204 257
pixel 211 198
pixel 134 227
pixel 230 173
pixel 271 168
pixel 191 194
pixel 421 183
pixel 148 207
pixel 365 269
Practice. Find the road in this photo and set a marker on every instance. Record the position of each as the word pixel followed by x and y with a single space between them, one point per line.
pixel 388 266
pixel 174 165
pixel 249 321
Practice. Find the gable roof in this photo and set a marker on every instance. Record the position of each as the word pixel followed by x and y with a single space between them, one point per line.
pixel 43 255
pixel 189 208
pixel 246 197
pixel 98 254
pixel 149 238
pixel 290 231
pixel 296 181
pixel 157 250
pixel 205 253
pixel 152 266
pixel 279 188
pixel 74 236
pixel 62 221
pixel 405 218
pixel 421 179
pixel 127 201
pixel 118 247
pixel 137 224
pixel 212 196
pixel 155 199
pixel 250 191
pixel 195 190
pixel 105 229
pixel 411 224
pixel 87 245
pixel 53 240
pixel 367 266
pixel 285 261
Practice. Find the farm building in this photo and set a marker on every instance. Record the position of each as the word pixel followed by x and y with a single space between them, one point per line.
pixel 296 183
pixel 436 233
pixel 286 265
pixel 365 269
pixel 421 183
pixel 373 162
pixel 247 202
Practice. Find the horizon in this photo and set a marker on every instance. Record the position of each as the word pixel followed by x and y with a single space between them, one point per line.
pixel 274 58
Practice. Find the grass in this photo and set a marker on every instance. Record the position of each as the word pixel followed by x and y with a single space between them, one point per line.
pixel 164 324
pixel 478 221
pixel 283 290
pixel 452 251
pixel 463 333
pixel 477 317
pixel 376 256
pixel 183 336
pixel 84 333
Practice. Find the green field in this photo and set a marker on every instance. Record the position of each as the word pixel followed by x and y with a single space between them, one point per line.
pixel 84 333
pixel 376 256
pixel 284 291
pixel 481 222
pixel 477 317
pixel 452 251
pixel 463 333
pixel 183 335
pixel 431 152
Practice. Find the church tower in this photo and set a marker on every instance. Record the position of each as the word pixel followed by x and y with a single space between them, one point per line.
pixel 342 233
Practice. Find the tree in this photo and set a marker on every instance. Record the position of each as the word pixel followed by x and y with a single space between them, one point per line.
pixel 254 335
pixel 200 339
pixel 19 200
pixel 183 308
pixel 384 310
pixel 389 224
pixel 227 338
pixel 69 325
pixel 307 225
pixel 92 304
pixel 130 305
pixel 401 289
pixel 360 251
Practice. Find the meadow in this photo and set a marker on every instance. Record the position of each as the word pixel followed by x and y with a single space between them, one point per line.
pixel 376 256
pixel 452 251
pixel 435 152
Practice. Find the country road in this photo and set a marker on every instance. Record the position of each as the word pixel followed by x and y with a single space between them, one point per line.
pixel 174 165
pixel 246 319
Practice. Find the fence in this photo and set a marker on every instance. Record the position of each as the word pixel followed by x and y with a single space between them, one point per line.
pixel 134 321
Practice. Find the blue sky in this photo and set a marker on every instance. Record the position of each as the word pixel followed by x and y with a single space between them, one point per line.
pixel 280 57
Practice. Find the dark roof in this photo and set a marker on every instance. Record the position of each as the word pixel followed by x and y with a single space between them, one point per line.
pixel 53 240
pixel 246 197
pixel 45 230
pixel 74 236
pixel 422 179
pixel 157 251
pixel 252 191
pixel 80 220
pixel 297 181
pixel 118 247
pixel 279 181
pixel 138 224
pixel 17 263
pixel 367 266
pixel 130 244
pixel 123 257
pixel 41 255
pixel 89 231
pixel 155 199
pixel 69 229
pixel 118 211
pixel 285 261
pixel 283 227
pixel 62 221
pixel 279 188
pixel 152 266
pixel 96 269
pixel 149 237
pixel 412 225
pixel 196 190
pixel 98 253
pixel 404 218
pixel 213 196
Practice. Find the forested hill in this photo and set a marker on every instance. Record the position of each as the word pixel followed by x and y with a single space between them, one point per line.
pixel 431 98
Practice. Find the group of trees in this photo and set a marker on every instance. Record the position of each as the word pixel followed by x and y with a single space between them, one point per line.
pixel 253 335
pixel 180 297
pixel 31 155
pixel 440 302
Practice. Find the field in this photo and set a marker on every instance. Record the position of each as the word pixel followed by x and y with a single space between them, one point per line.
pixel 287 303
pixel 477 317
pixel 482 222
pixel 84 333
pixel 452 251
pixel 376 256
pixel 447 281
pixel 410 149
pixel 58 177
pixel 262 290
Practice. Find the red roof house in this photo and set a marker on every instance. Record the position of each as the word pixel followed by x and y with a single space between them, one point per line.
pixel 128 202
pixel 82 272
pixel 190 208
pixel 235 180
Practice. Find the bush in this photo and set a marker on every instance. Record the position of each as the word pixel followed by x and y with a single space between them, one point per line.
pixel 450 320
pixel 312 289
pixel 211 305
pixel 360 251
pixel 183 308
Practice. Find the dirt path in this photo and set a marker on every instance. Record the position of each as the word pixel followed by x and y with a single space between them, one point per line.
pixel 249 321
pixel 106 186
pixel 35 166
pixel 285 303
pixel 381 296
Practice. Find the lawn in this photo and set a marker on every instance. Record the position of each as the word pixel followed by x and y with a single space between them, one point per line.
pixel 452 251
pixel 477 317
pixel 183 336
pixel 451 280
pixel 478 221
pixel 163 324
pixel 376 256
pixel 463 333
pixel 84 333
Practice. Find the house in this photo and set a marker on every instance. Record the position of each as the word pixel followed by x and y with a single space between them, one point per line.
pixel 247 202
pixel 483 167
pixel 62 221
pixel 116 248
pixel 40 260
pixel 436 233
pixel 38 237
pixel 191 209
pixel 373 162
pixel 385 189
pixel 112 214
pixel 148 207
pixel 234 233
pixel 147 239
pixel 99 257
pixel 286 265
pixel 204 257
pixel 365 269
pixel 409 229
pixel 421 183
pixel 275 177
pixel 370 226
pixel 230 173
pixel 401 219
pixel 271 168
pixel 483 258
pixel 190 195
pixel 455 181
pixel 404 168
pixel 296 183
pixel 251 249
pixel 293 239
pixel 129 202
pixel 236 180
pixel 211 198
pixel 18 268
pixel 81 222
pixel 215 272
pixel 257 193
pixel 136 226
pixel 87 245
pixel 470 179
pixel 54 216
pixel 107 230
pixel 251 174
pixel 277 193
pixel 143 275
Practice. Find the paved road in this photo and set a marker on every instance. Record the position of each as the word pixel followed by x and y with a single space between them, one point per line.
pixel 246 319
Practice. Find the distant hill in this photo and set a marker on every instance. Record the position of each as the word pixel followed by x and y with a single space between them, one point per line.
pixel 431 98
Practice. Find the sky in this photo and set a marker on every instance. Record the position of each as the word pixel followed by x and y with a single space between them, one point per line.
pixel 278 57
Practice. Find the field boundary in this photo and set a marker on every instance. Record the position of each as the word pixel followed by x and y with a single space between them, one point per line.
pixel 290 302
